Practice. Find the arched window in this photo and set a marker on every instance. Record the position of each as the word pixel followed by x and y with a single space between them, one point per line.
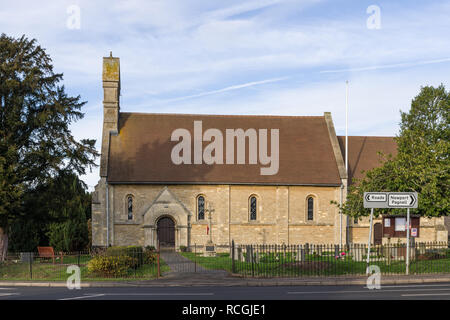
pixel 252 208
pixel 310 208
pixel 201 208
pixel 130 207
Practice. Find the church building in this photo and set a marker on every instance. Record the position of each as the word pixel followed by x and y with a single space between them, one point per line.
pixel 183 179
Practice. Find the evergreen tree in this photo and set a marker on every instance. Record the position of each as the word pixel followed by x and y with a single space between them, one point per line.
pixel 58 211
pixel 35 140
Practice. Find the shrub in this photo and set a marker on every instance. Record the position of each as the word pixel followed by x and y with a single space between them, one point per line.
pixel 56 236
pixel 111 266
pixel 183 248
pixel 76 235
pixel 68 236
pixel 268 257
pixel 431 255
pixel 150 257
pixel 134 252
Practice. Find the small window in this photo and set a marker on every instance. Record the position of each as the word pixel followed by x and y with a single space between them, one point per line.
pixel 130 207
pixel 201 208
pixel 253 208
pixel 355 220
pixel 400 224
pixel 310 208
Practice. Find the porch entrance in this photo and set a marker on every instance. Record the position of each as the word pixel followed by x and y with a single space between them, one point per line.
pixel 166 233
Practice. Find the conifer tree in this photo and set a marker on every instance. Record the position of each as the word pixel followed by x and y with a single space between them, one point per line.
pixel 35 139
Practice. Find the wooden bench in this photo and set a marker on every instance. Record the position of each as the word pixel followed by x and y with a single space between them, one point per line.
pixel 47 252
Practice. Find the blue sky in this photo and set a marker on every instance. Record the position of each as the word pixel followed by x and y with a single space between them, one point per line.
pixel 286 57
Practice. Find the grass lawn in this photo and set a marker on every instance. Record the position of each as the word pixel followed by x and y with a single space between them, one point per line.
pixel 46 270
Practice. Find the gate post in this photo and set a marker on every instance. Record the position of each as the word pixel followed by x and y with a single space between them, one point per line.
pixel 233 266
pixel 251 254
pixel 159 252
pixel 31 266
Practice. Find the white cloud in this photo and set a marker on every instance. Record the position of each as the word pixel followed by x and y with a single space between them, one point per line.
pixel 208 56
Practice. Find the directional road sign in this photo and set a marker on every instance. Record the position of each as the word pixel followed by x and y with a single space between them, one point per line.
pixel 390 199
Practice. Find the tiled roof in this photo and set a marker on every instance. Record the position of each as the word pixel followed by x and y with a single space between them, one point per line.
pixel 141 152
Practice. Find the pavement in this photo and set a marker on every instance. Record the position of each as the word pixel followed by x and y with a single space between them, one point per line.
pixel 226 280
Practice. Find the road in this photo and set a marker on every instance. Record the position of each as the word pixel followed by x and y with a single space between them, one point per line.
pixel 432 291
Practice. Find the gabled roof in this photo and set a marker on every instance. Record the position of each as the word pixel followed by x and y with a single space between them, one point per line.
pixel 166 196
pixel 141 152
pixel 363 153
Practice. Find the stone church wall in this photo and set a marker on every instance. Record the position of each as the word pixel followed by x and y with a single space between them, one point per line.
pixel 281 214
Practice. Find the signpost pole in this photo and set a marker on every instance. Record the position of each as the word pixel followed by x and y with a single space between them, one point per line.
pixel 393 200
pixel 407 242
pixel 370 238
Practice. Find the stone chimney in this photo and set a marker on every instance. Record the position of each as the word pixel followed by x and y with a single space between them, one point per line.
pixel 111 93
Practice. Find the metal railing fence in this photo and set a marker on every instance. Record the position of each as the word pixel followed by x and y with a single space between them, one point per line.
pixel 132 263
pixel 335 260
pixel 248 260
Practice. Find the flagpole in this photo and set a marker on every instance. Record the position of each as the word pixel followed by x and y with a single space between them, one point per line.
pixel 346 127
pixel 346 157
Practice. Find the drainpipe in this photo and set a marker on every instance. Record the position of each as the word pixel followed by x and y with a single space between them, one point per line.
pixel 107 214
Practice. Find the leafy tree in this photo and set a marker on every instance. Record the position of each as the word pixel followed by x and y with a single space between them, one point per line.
pixel 422 164
pixel 35 140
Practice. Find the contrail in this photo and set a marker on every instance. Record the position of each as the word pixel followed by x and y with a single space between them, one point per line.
pixel 387 66
pixel 255 83
pixel 230 88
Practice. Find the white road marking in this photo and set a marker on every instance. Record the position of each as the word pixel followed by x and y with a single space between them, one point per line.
pixel 425 294
pixel 84 297
pixel 314 292
pixel 415 286
pixel 8 294
pixel 366 291
pixel 160 294
pixel 8 288
pixel 87 296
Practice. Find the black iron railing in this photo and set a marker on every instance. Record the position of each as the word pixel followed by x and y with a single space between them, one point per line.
pixel 335 260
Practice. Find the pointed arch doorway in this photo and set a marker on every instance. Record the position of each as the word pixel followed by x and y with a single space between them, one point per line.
pixel 166 232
